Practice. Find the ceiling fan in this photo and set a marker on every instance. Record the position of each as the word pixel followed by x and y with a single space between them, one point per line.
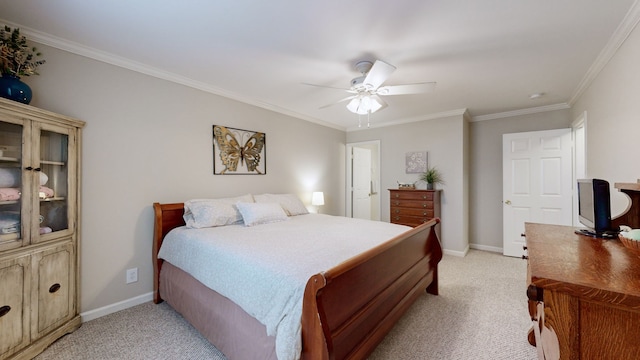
pixel 367 89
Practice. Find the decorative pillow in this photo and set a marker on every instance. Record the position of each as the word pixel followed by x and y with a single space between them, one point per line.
pixel 261 213
pixel 289 202
pixel 201 213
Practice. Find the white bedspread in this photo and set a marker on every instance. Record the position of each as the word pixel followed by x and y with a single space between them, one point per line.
pixel 264 269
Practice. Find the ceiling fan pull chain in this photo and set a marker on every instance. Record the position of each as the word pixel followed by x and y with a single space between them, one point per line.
pixel 359 120
pixel 368 115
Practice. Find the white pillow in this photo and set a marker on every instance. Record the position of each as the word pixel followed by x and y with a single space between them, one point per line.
pixel 201 213
pixel 43 178
pixel 263 213
pixel 289 202
pixel 9 177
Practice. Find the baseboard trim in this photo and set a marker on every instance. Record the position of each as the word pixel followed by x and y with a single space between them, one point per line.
pixel 486 248
pixel 456 253
pixel 121 305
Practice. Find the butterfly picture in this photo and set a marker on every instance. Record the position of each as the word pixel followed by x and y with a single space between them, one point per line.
pixel 237 151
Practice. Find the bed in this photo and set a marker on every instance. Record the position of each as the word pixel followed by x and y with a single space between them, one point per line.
pixel 346 310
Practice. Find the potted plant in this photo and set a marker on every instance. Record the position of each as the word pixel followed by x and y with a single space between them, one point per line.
pixel 432 176
pixel 17 59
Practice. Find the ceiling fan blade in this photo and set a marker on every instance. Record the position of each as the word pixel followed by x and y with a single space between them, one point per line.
pixel 379 72
pixel 338 102
pixel 406 89
pixel 330 87
pixel 380 101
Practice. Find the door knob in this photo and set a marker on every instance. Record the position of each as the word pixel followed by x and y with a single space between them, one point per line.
pixel 508 202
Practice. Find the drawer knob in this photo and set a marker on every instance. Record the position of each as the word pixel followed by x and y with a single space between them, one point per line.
pixel 55 287
pixel 534 293
pixel 397 211
pixel 424 213
pixel 397 218
pixel 424 205
pixel 4 310
pixel 424 197
pixel 397 195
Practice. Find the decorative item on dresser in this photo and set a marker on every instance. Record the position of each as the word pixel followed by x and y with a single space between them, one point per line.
pixel 432 176
pixel 39 229
pixel 414 207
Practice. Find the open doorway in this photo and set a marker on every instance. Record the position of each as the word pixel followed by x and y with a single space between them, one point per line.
pixel 363 179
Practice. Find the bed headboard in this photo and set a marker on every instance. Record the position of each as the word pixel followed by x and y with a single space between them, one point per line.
pixel 167 217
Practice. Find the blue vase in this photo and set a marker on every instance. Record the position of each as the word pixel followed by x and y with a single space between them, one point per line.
pixel 12 88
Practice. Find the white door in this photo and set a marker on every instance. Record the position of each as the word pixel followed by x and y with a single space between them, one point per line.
pixel 361 183
pixel 537 183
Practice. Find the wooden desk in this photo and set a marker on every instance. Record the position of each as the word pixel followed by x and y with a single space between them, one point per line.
pixel 631 216
pixel 590 289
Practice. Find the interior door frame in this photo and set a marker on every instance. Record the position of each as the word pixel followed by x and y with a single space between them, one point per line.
pixel 375 201
pixel 579 157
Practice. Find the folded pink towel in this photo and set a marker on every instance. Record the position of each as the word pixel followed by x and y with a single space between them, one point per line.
pixel 7 194
pixel 45 230
pixel 46 192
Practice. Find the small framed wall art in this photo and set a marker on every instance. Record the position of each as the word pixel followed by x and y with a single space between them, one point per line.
pixel 415 162
pixel 238 152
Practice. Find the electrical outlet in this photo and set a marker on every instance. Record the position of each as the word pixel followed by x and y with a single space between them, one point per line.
pixel 132 275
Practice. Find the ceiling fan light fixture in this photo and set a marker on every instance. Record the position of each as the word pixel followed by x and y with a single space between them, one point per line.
pixel 363 105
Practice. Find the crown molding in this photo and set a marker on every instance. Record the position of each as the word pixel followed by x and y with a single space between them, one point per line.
pixel 444 114
pixel 533 110
pixel 618 38
pixel 102 56
pixel 623 31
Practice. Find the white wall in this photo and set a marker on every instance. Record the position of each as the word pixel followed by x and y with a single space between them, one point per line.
pixel 149 140
pixel 443 139
pixel 613 120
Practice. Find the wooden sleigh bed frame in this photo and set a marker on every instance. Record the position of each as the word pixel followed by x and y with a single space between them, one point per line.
pixel 347 310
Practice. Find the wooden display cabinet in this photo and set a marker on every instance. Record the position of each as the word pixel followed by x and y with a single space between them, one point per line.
pixel 39 229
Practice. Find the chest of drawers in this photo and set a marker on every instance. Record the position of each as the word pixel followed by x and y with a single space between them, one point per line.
pixel 414 207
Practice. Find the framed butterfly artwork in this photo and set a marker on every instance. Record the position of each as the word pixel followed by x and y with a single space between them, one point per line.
pixel 238 152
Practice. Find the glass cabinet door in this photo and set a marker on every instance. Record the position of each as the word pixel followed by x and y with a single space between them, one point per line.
pixel 52 183
pixel 11 185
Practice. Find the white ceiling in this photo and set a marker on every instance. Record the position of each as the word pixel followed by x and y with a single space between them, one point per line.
pixel 487 56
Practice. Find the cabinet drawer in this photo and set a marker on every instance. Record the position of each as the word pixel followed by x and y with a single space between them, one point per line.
pixel 428 213
pixel 409 220
pixel 14 305
pixel 412 195
pixel 412 204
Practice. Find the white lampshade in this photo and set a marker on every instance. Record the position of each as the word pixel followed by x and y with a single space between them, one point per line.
pixel 363 105
pixel 317 198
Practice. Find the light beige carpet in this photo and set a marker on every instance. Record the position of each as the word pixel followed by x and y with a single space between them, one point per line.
pixel 481 313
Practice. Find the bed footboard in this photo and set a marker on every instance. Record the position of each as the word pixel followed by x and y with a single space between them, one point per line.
pixel 349 309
